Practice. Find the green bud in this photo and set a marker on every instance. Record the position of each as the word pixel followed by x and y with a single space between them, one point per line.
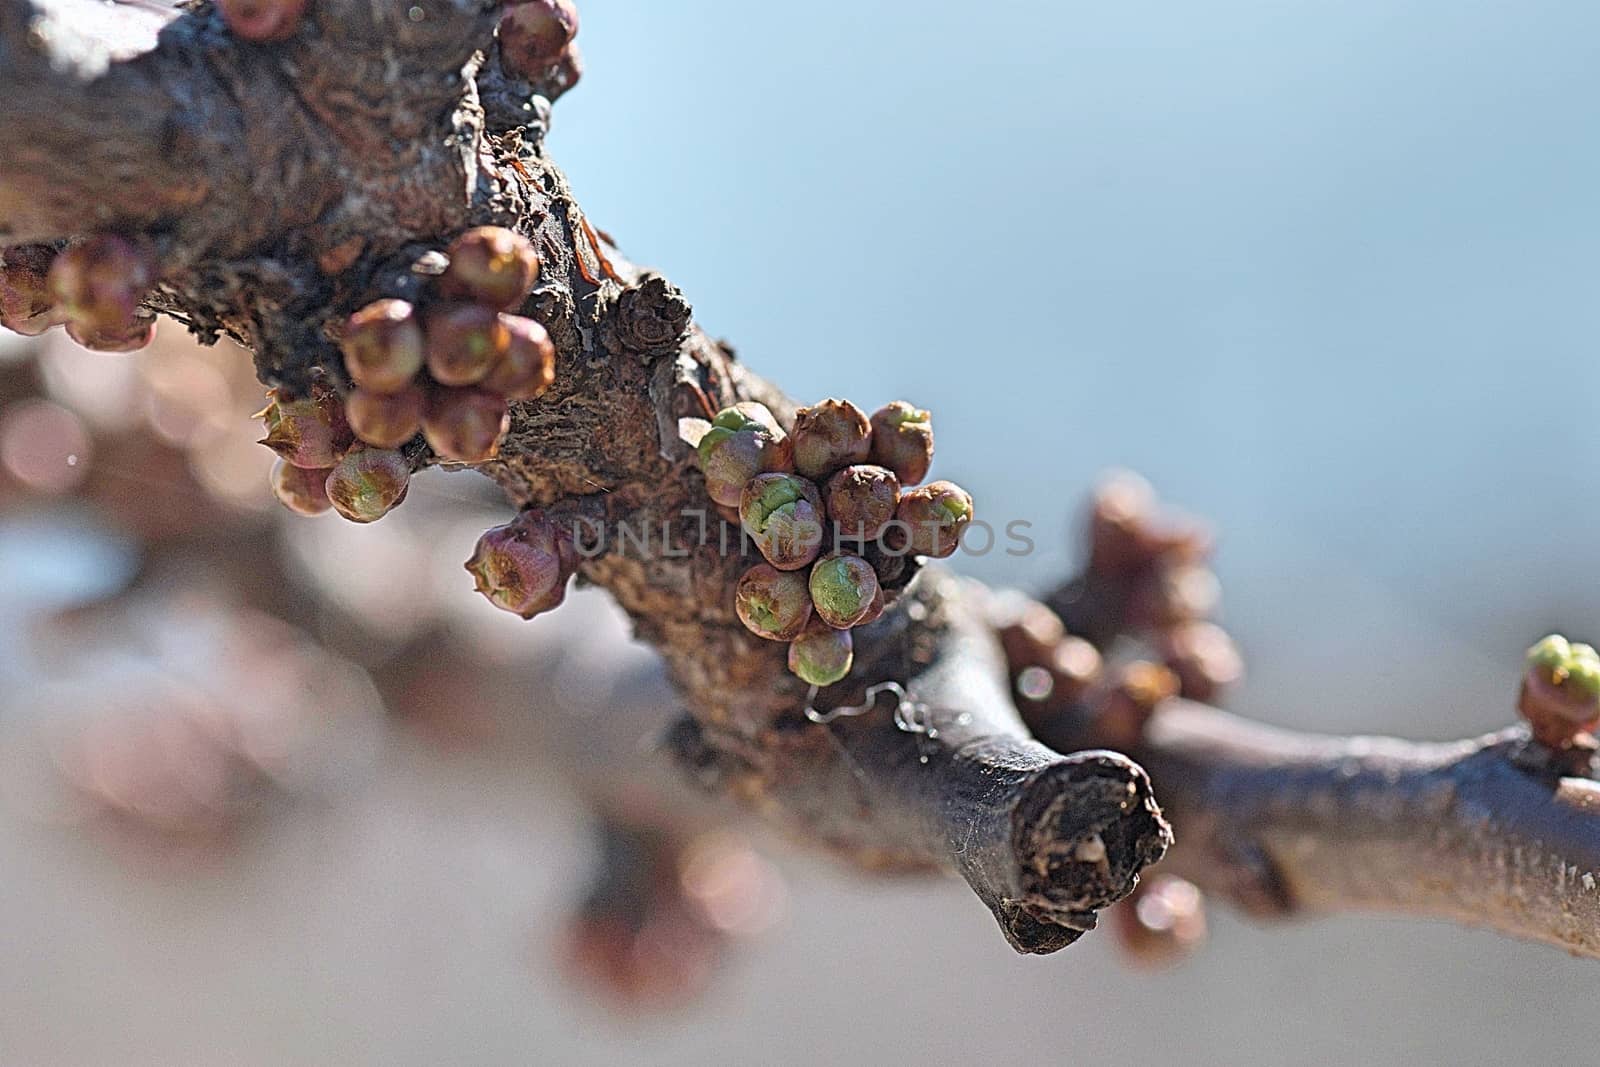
pixel 843 588
pixel 743 441
pixel 830 435
pixel 902 441
pixel 1550 654
pixel 936 515
pixel 782 513
pixel 821 655
pixel 773 604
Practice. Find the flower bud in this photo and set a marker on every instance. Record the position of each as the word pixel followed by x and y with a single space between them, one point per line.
pixel 465 425
pixel 743 441
pixel 842 588
pixel 534 34
pixel 386 420
pixel 302 491
pixel 465 341
pixel 492 266
pixel 830 435
pixel 383 346
pixel 782 513
pixel 524 566
pixel 368 483
pixel 1561 691
pixel 26 306
pixel 861 500
pixel 821 655
pixel 529 366
pixel 99 284
pixel 902 440
pixel 310 432
pixel 937 514
pixel 136 335
pixel 771 603
pixel 262 20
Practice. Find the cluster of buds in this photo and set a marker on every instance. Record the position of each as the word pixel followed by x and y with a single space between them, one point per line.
pixel 812 501
pixel 525 566
pixel 95 288
pixel 1560 695
pixel 1160 565
pixel 537 44
pixel 450 370
pixel 262 21
pixel 322 466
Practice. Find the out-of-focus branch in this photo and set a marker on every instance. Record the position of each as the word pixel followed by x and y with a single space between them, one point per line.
pixel 1499 831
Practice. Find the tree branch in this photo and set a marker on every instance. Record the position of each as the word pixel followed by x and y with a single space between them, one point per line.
pixel 1282 823
pixel 1496 831
pixel 282 187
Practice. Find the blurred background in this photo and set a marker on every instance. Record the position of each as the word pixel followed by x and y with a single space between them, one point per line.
pixel 1324 273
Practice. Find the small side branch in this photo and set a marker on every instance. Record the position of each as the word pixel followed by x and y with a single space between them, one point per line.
pixel 1472 831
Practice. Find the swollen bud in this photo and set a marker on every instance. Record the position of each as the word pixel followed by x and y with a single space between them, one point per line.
pixel 771 603
pixel 465 425
pixel 861 500
pixel 368 483
pixel 936 515
pixel 492 266
pixel 262 20
pixel 26 306
pixel 310 432
pixel 902 440
pixel 1561 692
pixel 843 588
pixel 743 441
pixel 383 346
pixel 302 491
pixel 782 513
pixel 99 284
pixel 830 435
pixel 465 341
pixel 821 655
pixel 524 567
pixel 529 366
pixel 387 420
